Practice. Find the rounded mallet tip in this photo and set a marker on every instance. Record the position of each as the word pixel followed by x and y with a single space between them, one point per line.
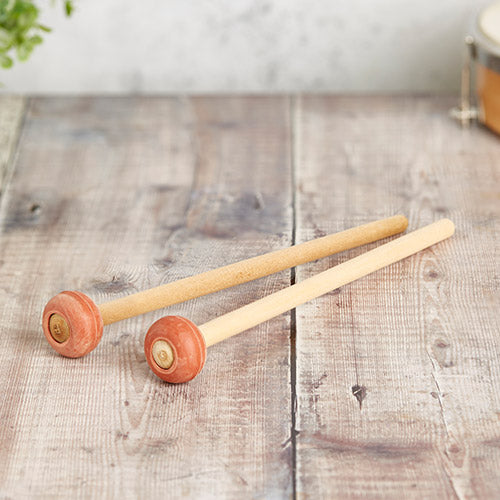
pixel 72 324
pixel 175 349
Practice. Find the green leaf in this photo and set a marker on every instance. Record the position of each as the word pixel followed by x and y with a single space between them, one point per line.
pixel 5 37
pixel 24 51
pixel 10 4
pixel 5 61
pixel 44 28
pixel 69 7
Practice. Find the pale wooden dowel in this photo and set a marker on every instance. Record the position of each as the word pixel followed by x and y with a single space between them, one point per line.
pixel 277 303
pixel 248 270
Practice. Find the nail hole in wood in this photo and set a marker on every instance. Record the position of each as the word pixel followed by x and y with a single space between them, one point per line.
pixel 359 392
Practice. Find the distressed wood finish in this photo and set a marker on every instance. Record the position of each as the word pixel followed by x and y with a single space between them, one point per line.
pixel 395 379
pixel 398 375
pixel 116 195
pixel 11 116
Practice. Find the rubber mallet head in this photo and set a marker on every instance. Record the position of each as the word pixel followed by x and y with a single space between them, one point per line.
pixel 72 324
pixel 176 348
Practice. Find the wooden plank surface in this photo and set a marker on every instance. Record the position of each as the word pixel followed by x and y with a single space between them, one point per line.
pixel 388 388
pixel 113 195
pixel 11 117
pixel 398 375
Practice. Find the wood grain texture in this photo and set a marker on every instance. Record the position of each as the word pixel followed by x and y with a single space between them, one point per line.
pixel 398 375
pixel 113 195
pixel 395 380
pixel 11 116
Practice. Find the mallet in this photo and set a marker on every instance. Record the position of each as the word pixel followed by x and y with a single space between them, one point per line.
pixel 176 348
pixel 73 323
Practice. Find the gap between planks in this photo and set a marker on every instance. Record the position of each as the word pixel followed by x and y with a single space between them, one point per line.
pixel 293 316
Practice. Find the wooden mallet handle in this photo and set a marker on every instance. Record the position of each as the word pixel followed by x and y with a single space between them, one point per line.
pixel 162 357
pixel 248 270
pixel 73 323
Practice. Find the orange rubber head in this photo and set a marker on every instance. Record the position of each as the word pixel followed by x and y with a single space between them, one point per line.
pixel 72 324
pixel 175 349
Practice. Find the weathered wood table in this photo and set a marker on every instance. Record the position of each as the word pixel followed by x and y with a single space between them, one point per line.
pixel 388 388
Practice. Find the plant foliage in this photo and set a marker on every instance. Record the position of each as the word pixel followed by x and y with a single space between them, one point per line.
pixel 20 31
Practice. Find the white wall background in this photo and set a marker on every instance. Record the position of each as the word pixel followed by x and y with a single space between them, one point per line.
pixel 180 46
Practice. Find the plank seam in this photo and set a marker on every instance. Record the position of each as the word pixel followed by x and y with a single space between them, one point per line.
pixel 293 313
